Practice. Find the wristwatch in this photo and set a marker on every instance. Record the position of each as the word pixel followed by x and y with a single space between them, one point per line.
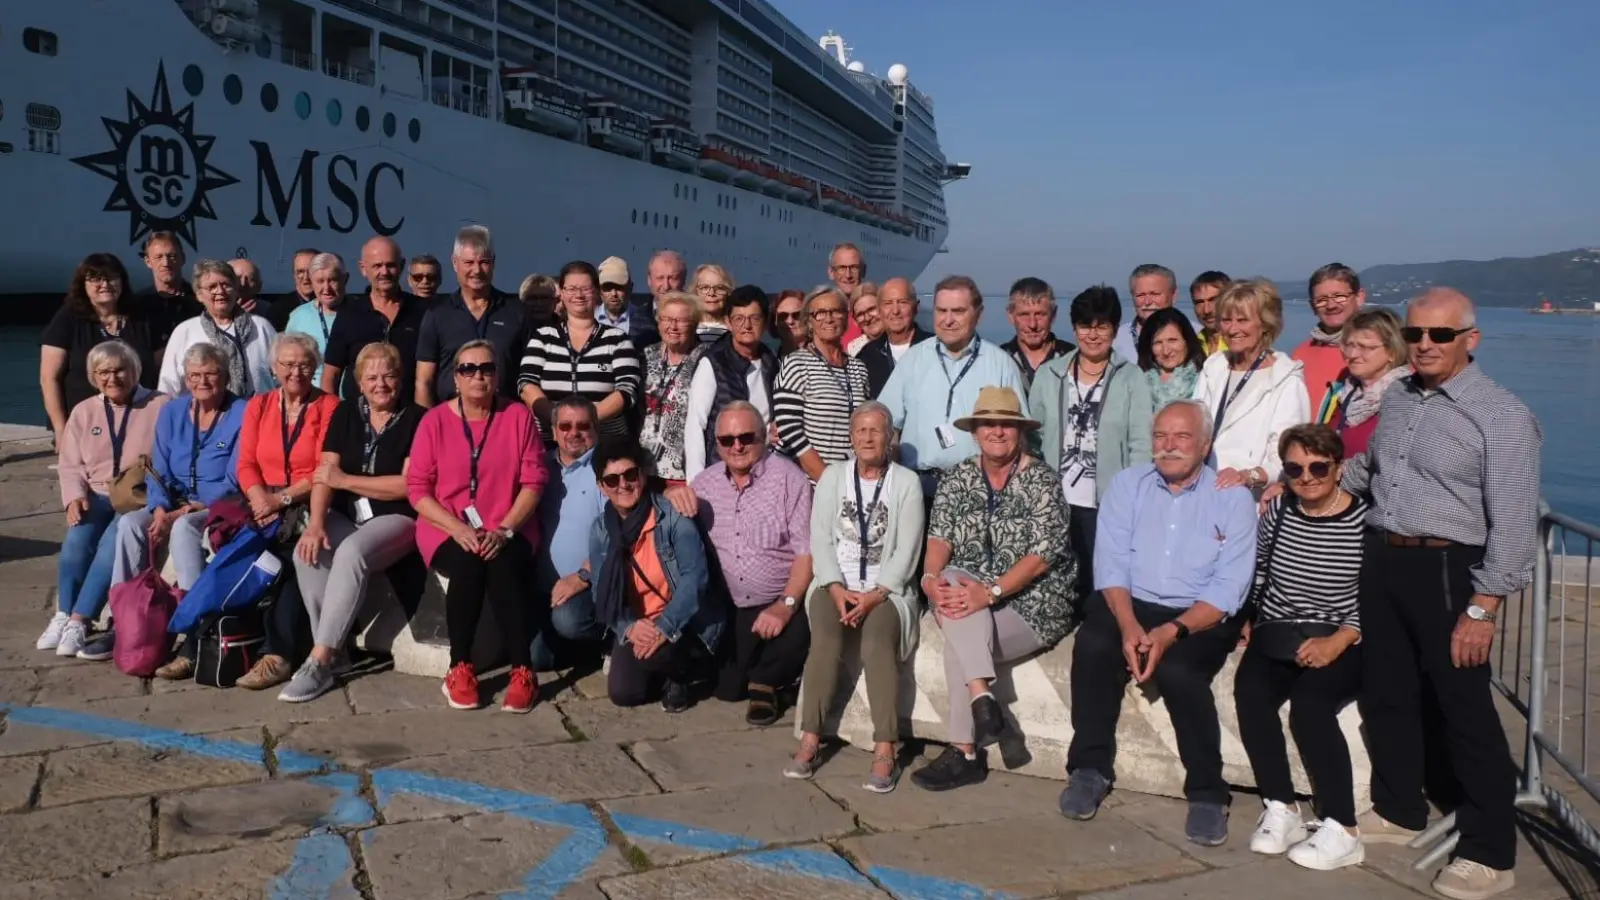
pixel 790 602
pixel 285 500
pixel 1479 614
pixel 505 532
pixel 994 593
pixel 582 575
pixel 1182 629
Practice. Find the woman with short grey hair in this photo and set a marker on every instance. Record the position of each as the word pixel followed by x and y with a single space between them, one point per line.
pixel 818 387
pixel 329 278
pixel 245 339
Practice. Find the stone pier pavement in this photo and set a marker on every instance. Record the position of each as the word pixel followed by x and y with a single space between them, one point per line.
pixel 116 787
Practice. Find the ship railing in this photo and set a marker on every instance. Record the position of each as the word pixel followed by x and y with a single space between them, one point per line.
pixel 1544 668
pixel 476 7
pixel 472 104
pixel 300 59
pixel 350 72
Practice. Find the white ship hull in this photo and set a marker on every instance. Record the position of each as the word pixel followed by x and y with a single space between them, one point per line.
pixel 238 180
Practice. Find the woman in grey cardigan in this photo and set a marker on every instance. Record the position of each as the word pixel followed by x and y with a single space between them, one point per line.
pixel 866 536
pixel 1096 409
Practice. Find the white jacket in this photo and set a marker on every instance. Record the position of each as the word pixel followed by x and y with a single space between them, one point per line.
pixel 257 357
pixel 1273 401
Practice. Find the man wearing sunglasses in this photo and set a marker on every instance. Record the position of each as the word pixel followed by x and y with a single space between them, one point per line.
pixel 568 510
pixel 1453 473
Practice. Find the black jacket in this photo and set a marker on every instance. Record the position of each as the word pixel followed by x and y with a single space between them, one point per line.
pixel 880 361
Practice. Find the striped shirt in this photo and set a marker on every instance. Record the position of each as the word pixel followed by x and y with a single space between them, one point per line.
pixel 812 402
pixel 1459 463
pixel 606 364
pixel 1312 571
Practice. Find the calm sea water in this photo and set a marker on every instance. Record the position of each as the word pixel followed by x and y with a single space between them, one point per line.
pixel 1551 362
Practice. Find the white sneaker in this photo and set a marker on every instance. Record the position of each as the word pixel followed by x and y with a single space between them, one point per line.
pixel 1278 829
pixel 74 637
pixel 1329 847
pixel 52 632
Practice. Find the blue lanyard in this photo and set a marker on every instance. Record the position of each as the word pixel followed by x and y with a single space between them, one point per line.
pixel 1222 406
pixel 841 377
pixel 200 440
pixel 118 435
pixel 950 398
pixel 474 449
pixel 290 438
pixel 864 514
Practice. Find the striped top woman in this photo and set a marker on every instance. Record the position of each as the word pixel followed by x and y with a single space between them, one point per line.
pixel 818 387
pixel 578 356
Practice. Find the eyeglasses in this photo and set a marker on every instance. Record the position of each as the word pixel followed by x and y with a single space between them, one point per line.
pixel 1094 328
pixel 303 368
pixel 833 313
pixel 674 321
pixel 745 321
pixel 1318 469
pixel 101 279
pixel 110 373
pixel 578 291
pixel 743 438
pixel 614 480
pixel 579 427
pixel 469 370
pixel 788 316
pixel 1439 334
pixel 715 290
pixel 221 287
pixel 425 277
pixel 1330 299
pixel 848 269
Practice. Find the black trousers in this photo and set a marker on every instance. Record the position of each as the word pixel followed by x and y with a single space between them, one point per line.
pixel 502 582
pixel 747 659
pixel 1184 674
pixel 634 682
pixel 1315 696
pixel 1411 600
pixel 1080 535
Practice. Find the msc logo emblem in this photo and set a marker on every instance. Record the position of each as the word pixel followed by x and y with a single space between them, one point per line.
pixel 157 167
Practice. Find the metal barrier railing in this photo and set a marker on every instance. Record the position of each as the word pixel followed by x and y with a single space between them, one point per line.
pixel 1541 688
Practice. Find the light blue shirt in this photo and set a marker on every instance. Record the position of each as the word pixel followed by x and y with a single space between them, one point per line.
pixel 567 511
pixel 1176 549
pixel 309 319
pixel 604 317
pixel 928 389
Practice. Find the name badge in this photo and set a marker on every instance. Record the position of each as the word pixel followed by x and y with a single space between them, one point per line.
pixel 472 517
pixel 946 434
pixel 363 510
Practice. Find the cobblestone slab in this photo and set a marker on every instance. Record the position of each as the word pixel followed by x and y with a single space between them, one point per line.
pixel 909 807
pixel 805 873
pixel 1269 878
pixel 220 818
pixel 18 652
pixel 18 685
pixel 717 760
pixel 18 777
pixel 448 859
pixel 322 869
pixel 672 828
pixel 216 709
pixel 128 769
pixel 601 720
pixel 1535 880
pixel 84 681
pixel 1164 817
pixel 59 843
pixel 1027 857
pixel 384 738
pixel 391 691
pixel 566 772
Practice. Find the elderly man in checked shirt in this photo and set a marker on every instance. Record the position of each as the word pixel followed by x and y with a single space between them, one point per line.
pixel 1453 473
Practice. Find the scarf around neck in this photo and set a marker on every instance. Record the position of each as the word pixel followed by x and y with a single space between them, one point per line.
pixel 611 581
pixel 232 344
pixel 1179 387
pixel 1323 337
pixel 1366 398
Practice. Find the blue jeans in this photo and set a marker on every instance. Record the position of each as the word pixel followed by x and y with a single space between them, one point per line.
pixel 572 622
pixel 83 572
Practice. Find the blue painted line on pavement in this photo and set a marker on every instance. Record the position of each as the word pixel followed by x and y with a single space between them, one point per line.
pixel 662 832
pixel 821 864
pixel 915 886
pixel 350 810
pixel 149 736
pixel 320 863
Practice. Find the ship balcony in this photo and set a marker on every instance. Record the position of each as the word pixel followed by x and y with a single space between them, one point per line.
pixel 543 104
pixel 614 127
pixel 675 147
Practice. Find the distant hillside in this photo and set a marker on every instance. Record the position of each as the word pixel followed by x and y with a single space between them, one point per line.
pixel 1569 278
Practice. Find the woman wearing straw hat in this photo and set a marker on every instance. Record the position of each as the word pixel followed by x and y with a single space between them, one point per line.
pixel 999 575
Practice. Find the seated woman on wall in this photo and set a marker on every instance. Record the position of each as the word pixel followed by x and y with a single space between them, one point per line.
pixel 1000 576
pixel 866 535
pixel 477 469
pixel 360 519
pixel 649 575
pixel 102 434
pixel 194 463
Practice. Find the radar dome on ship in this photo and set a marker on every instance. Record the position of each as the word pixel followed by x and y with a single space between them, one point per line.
pixel 898 73
pixel 857 66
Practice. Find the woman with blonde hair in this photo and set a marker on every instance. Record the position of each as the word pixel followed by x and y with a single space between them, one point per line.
pixel 668 369
pixel 1253 392
pixel 712 284
pixel 1375 357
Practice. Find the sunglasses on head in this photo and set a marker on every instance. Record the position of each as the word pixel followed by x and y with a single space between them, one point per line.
pixel 744 437
pixel 580 427
pixel 1318 469
pixel 1439 334
pixel 615 479
pixel 468 370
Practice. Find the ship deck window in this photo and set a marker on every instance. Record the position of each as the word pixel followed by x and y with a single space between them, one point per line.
pixel 37 40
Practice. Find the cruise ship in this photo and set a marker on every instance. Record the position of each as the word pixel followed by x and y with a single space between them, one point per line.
pixel 574 129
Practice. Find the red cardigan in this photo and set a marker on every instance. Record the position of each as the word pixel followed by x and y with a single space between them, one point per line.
pixel 261 440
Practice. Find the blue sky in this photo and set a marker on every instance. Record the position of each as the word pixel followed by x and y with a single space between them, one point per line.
pixel 1256 137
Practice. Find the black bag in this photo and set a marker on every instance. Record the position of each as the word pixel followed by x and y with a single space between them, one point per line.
pixel 230 644
pixel 1280 639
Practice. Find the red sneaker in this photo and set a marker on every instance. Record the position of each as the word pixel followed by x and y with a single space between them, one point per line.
pixel 461 687
pixel 523 692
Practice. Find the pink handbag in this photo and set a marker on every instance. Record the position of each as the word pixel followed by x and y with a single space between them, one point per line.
pixel 141 608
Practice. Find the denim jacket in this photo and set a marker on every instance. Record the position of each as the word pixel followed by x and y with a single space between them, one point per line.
pixel 683 558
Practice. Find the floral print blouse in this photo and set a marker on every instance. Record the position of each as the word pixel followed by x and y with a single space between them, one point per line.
pixel 1029 518
pixel 666 407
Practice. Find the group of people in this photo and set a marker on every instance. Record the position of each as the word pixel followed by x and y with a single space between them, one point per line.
pixel 721 492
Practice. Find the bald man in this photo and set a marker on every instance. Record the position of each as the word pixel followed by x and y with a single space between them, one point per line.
pixel 384 314
pixel 1453 476
pixel 249 284
pixel 897 313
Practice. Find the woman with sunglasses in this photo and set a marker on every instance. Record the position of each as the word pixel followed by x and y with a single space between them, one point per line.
pixel 360 520
pixel 789 321
pixel 818 388
pixel 476 471
pixel 669 367
pixel 648 572
pixel 1253 392
pixel 1303 650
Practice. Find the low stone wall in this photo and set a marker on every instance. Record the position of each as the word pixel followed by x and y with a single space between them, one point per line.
pixel 421 645
pixel 1037 697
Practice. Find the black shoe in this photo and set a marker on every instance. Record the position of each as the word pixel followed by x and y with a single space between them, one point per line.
pixel 675 697
pixel 952 770
pixel 763 708
pixel 988 722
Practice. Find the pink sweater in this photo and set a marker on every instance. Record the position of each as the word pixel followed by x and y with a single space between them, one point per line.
pixel 84 446
pixel 513 459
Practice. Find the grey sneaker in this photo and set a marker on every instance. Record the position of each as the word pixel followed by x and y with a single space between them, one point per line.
pixel 312 681
pixel 1207 824
pixel 100 647
pixel 1082 796
pixel 74 637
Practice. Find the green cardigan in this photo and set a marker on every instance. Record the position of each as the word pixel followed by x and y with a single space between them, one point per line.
pixel 1125 417
pixel 902 542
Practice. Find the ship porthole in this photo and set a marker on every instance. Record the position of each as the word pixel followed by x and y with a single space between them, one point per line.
pixel 194 80
pixel 302 105
pixel 269 97
pixel 414 130
pixel 335 112
pixel 233 89
pixel 388 124
pixel 363 118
